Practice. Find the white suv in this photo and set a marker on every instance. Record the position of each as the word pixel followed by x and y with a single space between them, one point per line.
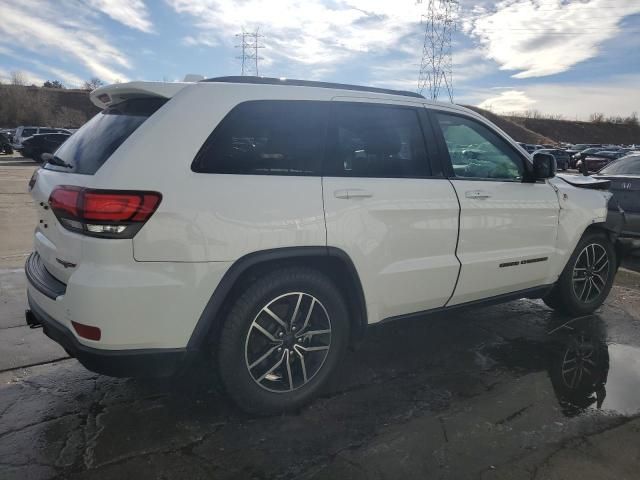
pixel 267 222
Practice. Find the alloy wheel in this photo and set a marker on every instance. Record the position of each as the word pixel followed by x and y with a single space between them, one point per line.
pixel 288 342
pixel 590 272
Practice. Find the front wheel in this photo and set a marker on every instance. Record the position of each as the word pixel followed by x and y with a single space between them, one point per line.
pixel 587 278
pixel 282 339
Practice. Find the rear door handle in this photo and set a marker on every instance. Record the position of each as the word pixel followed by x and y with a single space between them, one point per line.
pixel 477 194
pixel 348 193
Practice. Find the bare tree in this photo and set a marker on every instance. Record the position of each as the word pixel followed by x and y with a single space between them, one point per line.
pixel 596 117
pixel 92 83
pixel 18 78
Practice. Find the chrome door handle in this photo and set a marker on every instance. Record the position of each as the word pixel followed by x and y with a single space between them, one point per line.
pixel 348 193
pixel 477 194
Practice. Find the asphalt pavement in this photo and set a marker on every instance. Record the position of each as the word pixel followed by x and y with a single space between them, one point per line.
pixel 483 393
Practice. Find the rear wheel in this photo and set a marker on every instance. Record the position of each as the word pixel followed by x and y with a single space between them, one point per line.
pixel 587 278
pixel 282 339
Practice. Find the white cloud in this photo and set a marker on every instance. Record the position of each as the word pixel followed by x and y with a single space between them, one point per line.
pixel 308 32
pixel 508 101
pixel 618 96
pixel 538 38
pixel 132 13
pixel 61 30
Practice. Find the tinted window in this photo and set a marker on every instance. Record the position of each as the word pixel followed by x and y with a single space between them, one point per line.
pixel 267 138
pixel 46 130
pixel 375 141
pixel 624 166
pixel 478 152
pixel 28 132
pixel 90 147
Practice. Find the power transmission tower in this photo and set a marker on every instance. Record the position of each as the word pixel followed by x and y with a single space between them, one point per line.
pixel 436 68
pixel 250 45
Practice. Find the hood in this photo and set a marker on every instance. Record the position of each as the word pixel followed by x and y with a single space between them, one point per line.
pixel 581 181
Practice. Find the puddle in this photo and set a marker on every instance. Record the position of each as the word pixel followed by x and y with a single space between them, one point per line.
pixel 586 373
pixel 623 383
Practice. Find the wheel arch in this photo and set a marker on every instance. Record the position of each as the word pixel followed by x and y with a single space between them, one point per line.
pixel 332 261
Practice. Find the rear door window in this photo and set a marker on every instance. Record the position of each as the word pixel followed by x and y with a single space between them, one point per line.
pixel 375 141
pixel 266 137
pixel 91 146
pixel 28 132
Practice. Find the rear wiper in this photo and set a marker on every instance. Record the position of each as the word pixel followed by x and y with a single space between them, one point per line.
pixel 53 160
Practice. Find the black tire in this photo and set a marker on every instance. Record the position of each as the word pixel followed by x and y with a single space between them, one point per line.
pixel 568 296
pixel 284 389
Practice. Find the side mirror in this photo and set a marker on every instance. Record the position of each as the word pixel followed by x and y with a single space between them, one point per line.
pixel 46 157
pixel 544 166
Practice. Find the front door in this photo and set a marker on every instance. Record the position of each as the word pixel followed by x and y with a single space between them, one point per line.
pixel 507 228
pixel 383 206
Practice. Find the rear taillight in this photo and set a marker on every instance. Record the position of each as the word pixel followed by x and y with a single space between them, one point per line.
pixel 103 213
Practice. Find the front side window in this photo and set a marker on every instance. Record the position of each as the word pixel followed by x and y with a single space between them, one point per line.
pixel 375 141
pixel 476 152
pixel 266 137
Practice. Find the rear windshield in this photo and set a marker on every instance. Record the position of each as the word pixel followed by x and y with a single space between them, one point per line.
pixel 624 166
pixel 90 147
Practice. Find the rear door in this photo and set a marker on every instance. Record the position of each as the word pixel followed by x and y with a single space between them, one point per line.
pixel 388 207
pixel 507 228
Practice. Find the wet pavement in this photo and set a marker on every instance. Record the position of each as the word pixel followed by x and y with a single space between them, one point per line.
pixel 483 393
pixel 512 391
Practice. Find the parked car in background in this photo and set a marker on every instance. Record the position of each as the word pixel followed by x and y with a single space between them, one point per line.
pixel 562 157
pixel 598 160
pixel 295 242
pixel 528 147
pixel 624 175
pixel 5 144
pixel 34 146
pixel 26 132
pixel 583 154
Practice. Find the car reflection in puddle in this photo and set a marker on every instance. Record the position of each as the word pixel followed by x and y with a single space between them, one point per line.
pixel 585 371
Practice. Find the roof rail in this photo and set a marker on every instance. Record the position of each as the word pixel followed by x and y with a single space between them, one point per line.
pixel 309 83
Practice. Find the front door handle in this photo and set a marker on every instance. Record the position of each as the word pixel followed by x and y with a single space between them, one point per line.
pixel 477 194
pixel 348 193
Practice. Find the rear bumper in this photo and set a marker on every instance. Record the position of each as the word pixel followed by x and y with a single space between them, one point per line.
pixel 157 362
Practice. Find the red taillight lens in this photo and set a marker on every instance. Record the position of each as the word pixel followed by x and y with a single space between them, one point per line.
pixel 87 331
pixel 103 213
pixel 64 201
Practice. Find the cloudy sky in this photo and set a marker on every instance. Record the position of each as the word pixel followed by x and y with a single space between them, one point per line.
pixel 570 57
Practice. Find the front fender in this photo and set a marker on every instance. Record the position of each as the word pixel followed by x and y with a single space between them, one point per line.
pixel 580 209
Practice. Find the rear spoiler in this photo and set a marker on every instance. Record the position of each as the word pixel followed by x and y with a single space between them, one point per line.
pixel 111 94
pixel 586 182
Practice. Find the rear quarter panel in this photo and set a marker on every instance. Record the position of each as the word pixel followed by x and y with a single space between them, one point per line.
pixel 212 217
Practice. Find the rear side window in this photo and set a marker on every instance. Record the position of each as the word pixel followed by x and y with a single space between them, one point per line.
pixel 28 132
pixel 375 141
pixel 90 147
pixel 267 137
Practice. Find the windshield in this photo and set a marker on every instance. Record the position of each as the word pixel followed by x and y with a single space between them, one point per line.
pixel 90 147
pixel 624 166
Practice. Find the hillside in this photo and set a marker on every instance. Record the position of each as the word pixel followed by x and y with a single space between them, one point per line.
pixel 21 105
pixel 516 131
pixel 581 132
